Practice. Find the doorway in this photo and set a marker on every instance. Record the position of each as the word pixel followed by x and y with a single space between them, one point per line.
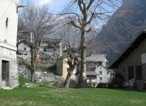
pixel 5 73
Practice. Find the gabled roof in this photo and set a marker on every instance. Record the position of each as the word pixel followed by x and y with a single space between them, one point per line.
pixel 51 40
pixel 24 42
pixel 96 58
pixel 127 52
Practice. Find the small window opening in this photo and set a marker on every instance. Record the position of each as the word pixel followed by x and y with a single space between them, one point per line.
pixel 100 72
pixel 100 78
pixel 5 41
pixel 7 22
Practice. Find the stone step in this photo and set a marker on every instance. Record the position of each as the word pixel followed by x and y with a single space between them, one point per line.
pixel 7 88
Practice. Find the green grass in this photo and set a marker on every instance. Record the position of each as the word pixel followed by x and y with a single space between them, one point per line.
pixel 22 81
pixel 46 95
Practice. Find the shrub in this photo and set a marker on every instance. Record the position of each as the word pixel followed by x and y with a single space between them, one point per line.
pixel 117 81
pixel 22 81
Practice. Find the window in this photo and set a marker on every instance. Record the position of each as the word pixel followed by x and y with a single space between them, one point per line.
pixel 108 72
pixel 54 49
pixel 100 72
pixel 100 67
pixel 26 38
pixel 5 41
pixel 7 22
pixel 130 72
pixel 139 72
pixel 99 63
pixel 91 69
pixel 100 78
pixel 91 76
pixel 45 50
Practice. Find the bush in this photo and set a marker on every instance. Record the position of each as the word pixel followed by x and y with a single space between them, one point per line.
pixel 117 81
pixel 102 85
pixel 22 81
pixel 91 84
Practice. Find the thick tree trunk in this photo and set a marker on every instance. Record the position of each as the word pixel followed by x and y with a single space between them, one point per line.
pixel 82 76
pixel 32 63
pixel 67 80
pixel 32 75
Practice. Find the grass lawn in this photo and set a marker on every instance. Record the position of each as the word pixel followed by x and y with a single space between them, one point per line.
pixel 49 96
pixel 43 96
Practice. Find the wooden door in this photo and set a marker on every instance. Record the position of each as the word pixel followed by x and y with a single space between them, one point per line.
pixel 5 71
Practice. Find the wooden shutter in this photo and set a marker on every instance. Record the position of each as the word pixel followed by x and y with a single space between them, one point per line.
pixel 139 72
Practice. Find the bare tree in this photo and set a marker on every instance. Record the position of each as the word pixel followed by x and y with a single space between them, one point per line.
pixel 73 62
pixel 87 14
pixel 38 22
pixel 70 37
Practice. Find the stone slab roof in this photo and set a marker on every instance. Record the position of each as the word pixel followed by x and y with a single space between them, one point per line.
pixel 96 57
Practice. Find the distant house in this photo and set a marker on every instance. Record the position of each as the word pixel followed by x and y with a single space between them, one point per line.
pixel 103 75
pixel 23 48
pixel 94 62
pixel 97 69
pixel 8 39
pixel 62 68
pixel 51 45
pixel 50 49
pixel 48 45
pixel 24 35
pixel 132 63
pixel 23 42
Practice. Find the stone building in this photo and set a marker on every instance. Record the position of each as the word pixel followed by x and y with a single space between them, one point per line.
pixel 97 71
pixel 23 45
pixel 51 45
pixel 8 39
pixel 62 68
pixel 132 63
pixel 93 74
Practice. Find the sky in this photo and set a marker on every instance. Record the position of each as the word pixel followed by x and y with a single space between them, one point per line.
pixel 55 6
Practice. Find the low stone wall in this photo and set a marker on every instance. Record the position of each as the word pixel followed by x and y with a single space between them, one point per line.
pixel 39 76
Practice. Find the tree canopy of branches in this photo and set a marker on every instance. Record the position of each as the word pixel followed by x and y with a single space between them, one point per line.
pixel 88 13
pixel 38 22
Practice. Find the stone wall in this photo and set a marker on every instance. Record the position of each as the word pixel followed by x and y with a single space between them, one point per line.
pixel 39 76
pixel 10 56
pixel 8 13
pixel 133 60
pixel 8 38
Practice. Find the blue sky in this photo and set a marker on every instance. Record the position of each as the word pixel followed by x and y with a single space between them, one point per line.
pixel 55 6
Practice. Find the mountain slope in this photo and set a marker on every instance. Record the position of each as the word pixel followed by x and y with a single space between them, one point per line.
pixel 121 29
